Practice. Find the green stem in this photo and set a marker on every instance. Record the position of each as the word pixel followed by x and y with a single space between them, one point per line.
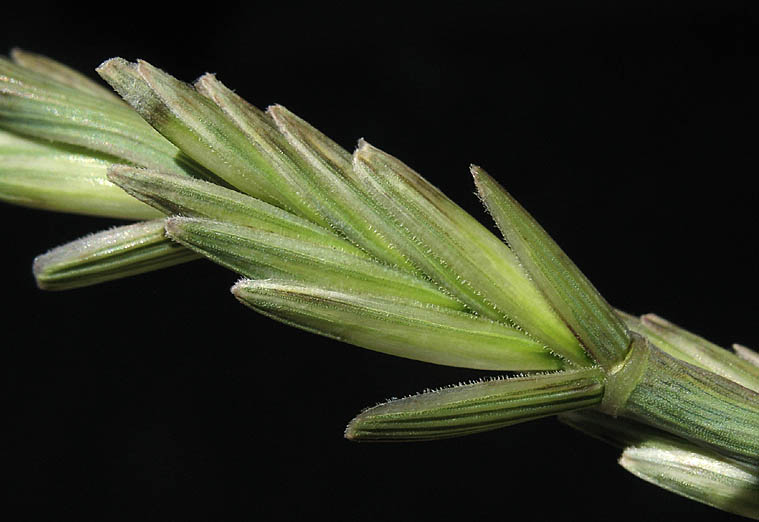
pixel 685 400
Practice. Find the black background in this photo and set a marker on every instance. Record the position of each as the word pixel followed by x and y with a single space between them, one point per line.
pixel 629 132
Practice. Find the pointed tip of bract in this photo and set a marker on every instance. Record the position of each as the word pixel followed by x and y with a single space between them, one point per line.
pixel 480 177
pixel 235 288
pixel 207 76
pixel 280 115
pixel 246 284
pixel 184 229
pixel 654 319
pixel 351 433
pixel 118 73
pixel 173 222
pixel 363 147
pixel 284 117
pixel 356 430
pixel 359 153
pixel 206 80
pixel 45 266
pixel 142 68
pixel 359 429
pixel 363 151
pixel 275 109
pixel 117 172
pixel 174 226
pixel 238 288
pixel 210 86
pixel 484 184
pixel 39 268
pixel 112 63
pixel 19 56
pixel 16 52
pixel 148 70
pixel 124 177
pixel 747 354
pixel 245 289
